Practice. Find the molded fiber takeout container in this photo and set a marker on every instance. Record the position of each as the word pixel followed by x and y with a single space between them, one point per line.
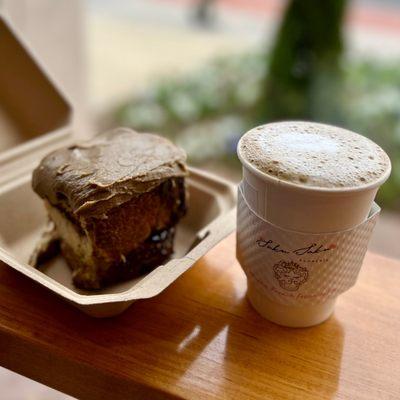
pixel 35 118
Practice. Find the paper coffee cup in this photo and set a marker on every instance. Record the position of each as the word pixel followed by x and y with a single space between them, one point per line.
pixel 276 217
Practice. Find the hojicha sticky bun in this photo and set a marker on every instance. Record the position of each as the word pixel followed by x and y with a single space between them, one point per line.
pixel 114 202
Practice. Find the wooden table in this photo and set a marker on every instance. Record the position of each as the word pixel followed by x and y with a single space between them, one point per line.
pixel 200 339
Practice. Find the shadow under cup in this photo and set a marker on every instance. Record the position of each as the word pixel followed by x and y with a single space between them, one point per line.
pixel 302 209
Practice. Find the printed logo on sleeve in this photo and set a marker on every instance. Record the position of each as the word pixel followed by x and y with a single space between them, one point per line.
pixel 290 275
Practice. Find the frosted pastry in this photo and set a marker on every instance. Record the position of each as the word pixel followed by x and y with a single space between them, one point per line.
pixel 114 202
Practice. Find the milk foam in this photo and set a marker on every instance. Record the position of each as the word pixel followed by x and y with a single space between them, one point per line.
pixel 314 154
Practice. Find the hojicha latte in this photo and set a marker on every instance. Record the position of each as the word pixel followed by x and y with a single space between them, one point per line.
pixel 314 155
pixel 305 214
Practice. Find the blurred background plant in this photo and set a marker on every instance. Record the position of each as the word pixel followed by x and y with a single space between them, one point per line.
pixel 305 76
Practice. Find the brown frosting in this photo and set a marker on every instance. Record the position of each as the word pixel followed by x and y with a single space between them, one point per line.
pixel 90 178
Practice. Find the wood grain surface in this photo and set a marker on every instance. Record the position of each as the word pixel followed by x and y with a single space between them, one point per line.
pixel 200 339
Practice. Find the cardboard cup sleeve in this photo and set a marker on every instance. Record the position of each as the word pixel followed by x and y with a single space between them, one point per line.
pixel 295 268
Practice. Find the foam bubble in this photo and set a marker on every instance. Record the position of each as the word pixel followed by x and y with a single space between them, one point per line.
pixel 314 154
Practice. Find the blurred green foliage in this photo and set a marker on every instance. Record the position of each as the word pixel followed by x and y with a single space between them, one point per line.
pixel 303 79
pixel 227 86
pixel 207 111
pixel 372 107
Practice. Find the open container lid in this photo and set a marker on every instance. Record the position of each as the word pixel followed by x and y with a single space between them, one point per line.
pixel 35 116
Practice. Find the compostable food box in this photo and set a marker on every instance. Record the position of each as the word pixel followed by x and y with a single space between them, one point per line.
pixel 36 118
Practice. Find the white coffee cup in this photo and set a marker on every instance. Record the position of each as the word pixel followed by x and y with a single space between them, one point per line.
pixel 302 208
